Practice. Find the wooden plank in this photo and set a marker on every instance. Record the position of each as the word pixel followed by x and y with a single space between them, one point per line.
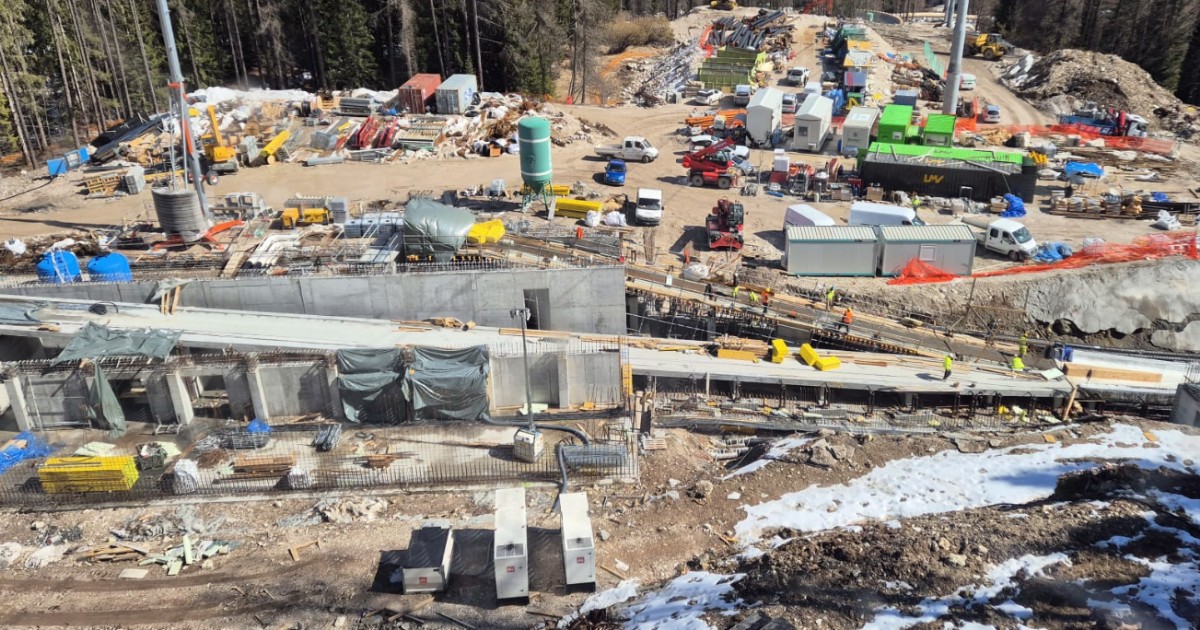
pixel 741 355
pixel 1114 374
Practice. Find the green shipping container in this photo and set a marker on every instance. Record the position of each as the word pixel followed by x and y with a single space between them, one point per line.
pixel 939 130
pixel 894 123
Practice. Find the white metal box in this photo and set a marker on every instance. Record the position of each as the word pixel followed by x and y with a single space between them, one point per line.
pixel 511 550
pixel 528 445
pixel 579 549
pixel 427 564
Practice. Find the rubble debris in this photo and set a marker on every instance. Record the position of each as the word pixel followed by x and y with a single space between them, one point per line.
pixel 9 552
pixel 45 556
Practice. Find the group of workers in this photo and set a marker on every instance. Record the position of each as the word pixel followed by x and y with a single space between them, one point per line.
pixel 1017 363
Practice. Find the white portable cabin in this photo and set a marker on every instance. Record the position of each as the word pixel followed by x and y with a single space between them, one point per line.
pixel 950 248
pixel 831 250
pixel 763 114
pixel 511 557
pixel 859 125
pixel 804 215
pixel 813 122
pixel 427 563
pixel 579 547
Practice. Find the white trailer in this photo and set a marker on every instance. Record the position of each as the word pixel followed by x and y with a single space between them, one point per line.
pixel 858 128
pixel 427 563
pixel 764 114
pixel 579 548
pixel 813 123
pixel 511 557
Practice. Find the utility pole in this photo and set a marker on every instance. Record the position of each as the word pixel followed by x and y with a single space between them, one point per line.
pixel 176 86
pixel 523 315
pixel 948 10
pixel 954 70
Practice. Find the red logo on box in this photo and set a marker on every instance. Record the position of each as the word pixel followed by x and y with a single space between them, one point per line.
pixel 579 560
pixel 511 569
pixel 424 580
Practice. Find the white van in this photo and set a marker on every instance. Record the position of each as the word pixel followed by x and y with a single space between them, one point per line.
pixel 967 82
pixel 868 213
pixel 804 215
pixel 649 209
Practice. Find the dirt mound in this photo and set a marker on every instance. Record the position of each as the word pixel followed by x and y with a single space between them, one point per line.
pixel 1064 79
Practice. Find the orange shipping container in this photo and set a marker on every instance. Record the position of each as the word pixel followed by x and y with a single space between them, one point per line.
pixel 417 93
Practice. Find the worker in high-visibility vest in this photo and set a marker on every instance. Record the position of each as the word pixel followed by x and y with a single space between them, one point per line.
pixel 1023 345
pixel 830 295
pixel 847 319
pixel 1017 364
pixel 948 365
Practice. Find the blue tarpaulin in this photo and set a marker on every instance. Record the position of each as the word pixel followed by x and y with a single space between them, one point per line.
pixel 1159 197
pixel 258 426
pixel 1016 207
pixel 1086 169
pixel 1053 252
pixel 34 447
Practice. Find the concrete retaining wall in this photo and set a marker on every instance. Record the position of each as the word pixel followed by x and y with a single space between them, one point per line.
pixel 580 300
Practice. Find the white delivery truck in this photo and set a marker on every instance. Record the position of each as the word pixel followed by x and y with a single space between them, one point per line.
pixel 870 213
pixel 1003 236
pixel 632 149
pixel 649 209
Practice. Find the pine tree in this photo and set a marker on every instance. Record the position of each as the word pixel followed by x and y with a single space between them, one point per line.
pixel 345 36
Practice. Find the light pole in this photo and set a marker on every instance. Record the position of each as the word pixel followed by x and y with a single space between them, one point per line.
pixel 523 316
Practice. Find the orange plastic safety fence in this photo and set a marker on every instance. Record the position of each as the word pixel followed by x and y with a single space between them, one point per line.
pixel 1087 132
pixel 1151 247
pixel 704 45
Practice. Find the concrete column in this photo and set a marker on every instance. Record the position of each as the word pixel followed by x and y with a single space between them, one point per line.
pixel 335 397
pixel 954 70
pixel 258 395
pixel 564 380
pixel 16 398
pixel 180 399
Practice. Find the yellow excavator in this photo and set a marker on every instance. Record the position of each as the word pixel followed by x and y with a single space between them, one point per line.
pixel 221 158
pixel 990 45
pixel 724 5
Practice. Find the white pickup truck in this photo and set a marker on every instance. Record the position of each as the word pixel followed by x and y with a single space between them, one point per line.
pixel 632 149
pixel 1003 236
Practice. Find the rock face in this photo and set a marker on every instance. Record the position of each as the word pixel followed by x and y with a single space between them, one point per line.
pixel 1124 300
pixel 1186 340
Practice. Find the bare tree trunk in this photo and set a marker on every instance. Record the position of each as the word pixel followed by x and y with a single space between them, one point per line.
pixel 68 91
pixel 254 45
pixel 319 55
pixel 478 51
pixel 235 37
pixel 137 25
pixel 116 44
pixel 15 105
pixel 437 38
pixel 87 64
pixel 122 108
pixel 574 47
pixel 184 16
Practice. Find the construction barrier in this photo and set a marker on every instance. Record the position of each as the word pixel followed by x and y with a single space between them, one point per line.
pixel 1087 133
pixel 1152 247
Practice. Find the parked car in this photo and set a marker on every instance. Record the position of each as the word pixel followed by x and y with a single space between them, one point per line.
pixel 614 173
pixel 790 102
pixel 797 76
pixel 991 114
pixel 708 97
pixel 742 94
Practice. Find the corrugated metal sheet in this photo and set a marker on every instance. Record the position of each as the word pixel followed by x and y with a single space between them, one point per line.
pixel 417 93
pixel 926 233
pixel 830 233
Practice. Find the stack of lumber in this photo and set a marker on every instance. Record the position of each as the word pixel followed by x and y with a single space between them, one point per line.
pixel 260 466
pixel 755 346
pixel 114 553
pixel 88 474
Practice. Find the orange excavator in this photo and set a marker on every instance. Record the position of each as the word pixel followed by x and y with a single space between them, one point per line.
pixel 712 166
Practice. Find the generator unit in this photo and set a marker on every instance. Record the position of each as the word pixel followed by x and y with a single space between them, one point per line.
pixel 579 549
pixel 427 564
pixel 528 445
pixel 511 557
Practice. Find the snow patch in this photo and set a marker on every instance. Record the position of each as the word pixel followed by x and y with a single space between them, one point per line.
pixel 777 450
pixel 1158 589
pixel 619 594
pixel 950 481
pixel 219 94
pixel 681 604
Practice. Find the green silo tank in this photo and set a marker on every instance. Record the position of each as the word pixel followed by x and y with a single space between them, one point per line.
pixel 533 136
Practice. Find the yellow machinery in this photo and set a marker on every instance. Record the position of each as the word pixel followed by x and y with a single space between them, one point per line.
pixel 724 5
pixel 291 217
pixel 220 157
pixel 990 45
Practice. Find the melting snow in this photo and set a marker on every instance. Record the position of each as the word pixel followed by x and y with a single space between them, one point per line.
pixel 1159 588
pixel 999 578
pixel 618 594
pixel 681 603
pixel 951 481
pixel 777 450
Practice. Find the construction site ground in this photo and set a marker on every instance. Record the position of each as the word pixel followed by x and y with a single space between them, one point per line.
pixel 686 513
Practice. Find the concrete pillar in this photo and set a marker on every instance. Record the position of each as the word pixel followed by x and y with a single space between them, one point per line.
pixel 16 398
pixel 335 396
pixel 258 395
pixel 564 380
pixel 180 399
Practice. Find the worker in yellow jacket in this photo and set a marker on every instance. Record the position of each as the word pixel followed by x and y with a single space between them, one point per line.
pixel 948 365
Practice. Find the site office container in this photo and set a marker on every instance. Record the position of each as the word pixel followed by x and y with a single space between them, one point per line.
pixel 894 123
pixel 857 129
pixel 417 93
pixel 831 250
pixel 950 248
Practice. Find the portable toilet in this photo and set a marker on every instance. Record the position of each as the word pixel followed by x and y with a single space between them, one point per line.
pixel 579 547
pixel 511 557
pixel 814 122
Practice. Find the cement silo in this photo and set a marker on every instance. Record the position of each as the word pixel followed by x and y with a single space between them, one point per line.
pixel 533 136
